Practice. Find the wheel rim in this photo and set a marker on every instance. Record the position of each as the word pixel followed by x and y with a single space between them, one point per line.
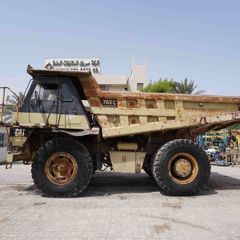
pixel 61 168
pixel 183 168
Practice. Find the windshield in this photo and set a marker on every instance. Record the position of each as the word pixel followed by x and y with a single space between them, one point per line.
pixel 52 96
pixel 45 92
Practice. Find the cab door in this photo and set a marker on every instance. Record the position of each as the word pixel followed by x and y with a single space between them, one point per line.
pixel 71 106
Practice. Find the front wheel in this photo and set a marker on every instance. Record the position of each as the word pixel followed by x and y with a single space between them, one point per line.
pixel 62 167
pixel 181 168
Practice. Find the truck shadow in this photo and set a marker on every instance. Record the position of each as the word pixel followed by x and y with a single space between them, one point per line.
pixel 218 182
pixel 113 183
pixel 105 184
pixel 223 182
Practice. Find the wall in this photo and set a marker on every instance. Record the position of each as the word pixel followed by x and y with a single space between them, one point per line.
pixel 138 75
pixel 109 87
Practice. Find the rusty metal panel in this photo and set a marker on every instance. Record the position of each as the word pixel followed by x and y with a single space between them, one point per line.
pixel 211 106
pixel 127 161
pixel 123 161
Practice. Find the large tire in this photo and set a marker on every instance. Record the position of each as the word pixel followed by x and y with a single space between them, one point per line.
pixel 181 168
pixel 62 167
pixel 147 167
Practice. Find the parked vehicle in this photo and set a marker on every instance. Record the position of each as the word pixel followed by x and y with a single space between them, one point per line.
pixel 122 131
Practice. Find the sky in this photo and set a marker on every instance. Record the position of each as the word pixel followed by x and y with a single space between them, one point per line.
pixel 199 40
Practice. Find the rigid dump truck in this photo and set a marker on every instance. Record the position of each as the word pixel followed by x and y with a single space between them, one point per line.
pixel 68 128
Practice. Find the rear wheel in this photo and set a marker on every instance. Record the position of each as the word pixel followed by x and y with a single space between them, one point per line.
pixel 147 167
pixel 181 167
pixel 62 167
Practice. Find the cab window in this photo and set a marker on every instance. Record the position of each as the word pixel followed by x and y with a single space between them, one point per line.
pixel 45 92
pixel 66 93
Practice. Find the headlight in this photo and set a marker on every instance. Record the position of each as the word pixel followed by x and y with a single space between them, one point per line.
pixel 19 132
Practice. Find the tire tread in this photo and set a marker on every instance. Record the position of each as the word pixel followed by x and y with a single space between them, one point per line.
pixel 158 164
pixel 59 142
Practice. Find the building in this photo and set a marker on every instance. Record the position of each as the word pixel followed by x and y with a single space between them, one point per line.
pixel 134 82
pixel 113 82
pixel 138 78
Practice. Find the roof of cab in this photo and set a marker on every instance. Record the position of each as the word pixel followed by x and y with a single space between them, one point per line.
pixel 56 73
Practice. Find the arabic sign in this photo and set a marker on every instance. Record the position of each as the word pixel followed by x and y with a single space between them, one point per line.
pixel 74 64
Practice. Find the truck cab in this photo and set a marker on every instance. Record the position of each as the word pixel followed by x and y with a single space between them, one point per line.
pixel 53 101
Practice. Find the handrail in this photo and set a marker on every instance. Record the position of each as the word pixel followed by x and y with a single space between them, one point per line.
pixel 26 89
pixel 51 109
pixel 3 90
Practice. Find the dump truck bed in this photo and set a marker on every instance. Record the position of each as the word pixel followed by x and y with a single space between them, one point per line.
pixel 124 113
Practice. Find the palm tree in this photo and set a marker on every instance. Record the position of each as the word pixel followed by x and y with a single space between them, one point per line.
pixel 186 87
